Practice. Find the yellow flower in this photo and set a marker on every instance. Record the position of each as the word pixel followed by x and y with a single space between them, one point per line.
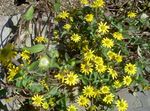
pixel 89 55
pixel 117 84
pixel 118 35
pixel 43 83
pixel 105 89
pixel 12 71
pixel 127 80
pixel 118 58
pixel 98 3
pixel 83 101
pixel 45 105
pixel 89 17
pixel 84 2
pixel 132 14
pixel 106 42
pixel 72 108
pixel 109 98
pixel 60 76
pixel 63 15
pixel 88 91
pixel 86 68
pixel 25 55
pixel 130 69
pixel 37 100
pixel 122 105
pixel 103 28
pixel 75 38
pixel 113 73
pixel 71 79
pixel 51 102
pixel 100 68
pixel 40 39
pixel 98 60
pixel 67 26
pixel 111 55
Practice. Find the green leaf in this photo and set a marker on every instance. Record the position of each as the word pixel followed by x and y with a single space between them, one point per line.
pixel 29 14
pixel 35 49
pixel 33 66
pixel 35 87
pixel 57 6
pixel 53 90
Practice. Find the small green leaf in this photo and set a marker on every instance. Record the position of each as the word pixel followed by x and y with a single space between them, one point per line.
pixel 29 14
pixel 35 87
pixel 35 49
pixel 53 90
pixel 57 6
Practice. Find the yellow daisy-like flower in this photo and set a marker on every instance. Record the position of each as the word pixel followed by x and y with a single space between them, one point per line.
pixel 118 35
pixel 130 69
pixel 101 68
pixel 72 108
pixel 88 55
pixel 37 100
pixel 105 89
pixel 127 80
pixel 89 17
pixel 118 58
pixel 98 60
pixel 109 98
pixel 96 93
pixel 63 15
pixel 111 55
pixel 98 3
pixel 86 68
pixel 75 38
pixel 132 14
pixel 72 79
pixel 84 2
pixel 25 55
pixel 12 71
pixel 122 105
pixel 103 28
pixel 60 76
pixel 113 73
pixel 67 26
pixel 40 39
pixel 117 84
pixel 83 101
pixel 88 91
pixel 106 42
pixel 45 105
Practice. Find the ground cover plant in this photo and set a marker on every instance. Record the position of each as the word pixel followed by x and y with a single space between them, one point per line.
pixel 77 58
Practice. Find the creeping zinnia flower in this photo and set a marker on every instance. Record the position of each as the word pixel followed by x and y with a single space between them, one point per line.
pixel 83 101
pixel 106 42
pixel 71 79
pixel 88 55
pixel 118 35
pixel 117 84
pixel 45 105
pixel 40 39
pixel 105 89
pixel 122 105
pixel 67 26
pixel 75 38
pixel 101 68
pixel 103 28
pixel 63 15
pixel 89 17
pixel 84 2
pixel 109 98
pixel 37 100
pixel 130 69
pixel 86 68
pixel 127 80
pixel 72 108
pixel 25 55
pixel 113 73
pixel 98 3
pixel 132 14
pixel 88 91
